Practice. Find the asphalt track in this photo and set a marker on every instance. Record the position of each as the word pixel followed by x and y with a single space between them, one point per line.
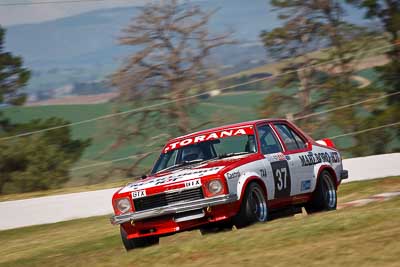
pixel 51 209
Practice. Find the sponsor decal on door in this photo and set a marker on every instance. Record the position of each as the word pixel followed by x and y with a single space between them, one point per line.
pixel 281 173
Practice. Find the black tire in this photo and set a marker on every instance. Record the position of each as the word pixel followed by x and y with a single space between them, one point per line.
pixel 324 197
pixel 130 244
pixel 253 207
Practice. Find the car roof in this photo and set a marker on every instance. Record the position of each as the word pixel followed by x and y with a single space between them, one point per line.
pixel 228 126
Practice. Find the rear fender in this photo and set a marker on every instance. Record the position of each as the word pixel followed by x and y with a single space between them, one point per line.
pixel 319 169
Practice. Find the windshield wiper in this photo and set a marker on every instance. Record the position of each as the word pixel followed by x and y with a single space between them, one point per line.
pixel 227 155
pixel 183 163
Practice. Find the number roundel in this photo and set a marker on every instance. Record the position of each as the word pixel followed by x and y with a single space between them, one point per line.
pixel 280 170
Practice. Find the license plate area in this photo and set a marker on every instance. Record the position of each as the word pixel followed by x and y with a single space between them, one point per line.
pixel 189 215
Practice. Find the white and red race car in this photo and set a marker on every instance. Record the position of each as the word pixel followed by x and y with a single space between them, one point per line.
pixel 231 175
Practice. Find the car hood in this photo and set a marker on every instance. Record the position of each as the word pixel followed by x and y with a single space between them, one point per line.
pixel 189 172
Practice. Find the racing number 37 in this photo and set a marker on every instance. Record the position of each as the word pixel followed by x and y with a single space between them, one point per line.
pixel 281 174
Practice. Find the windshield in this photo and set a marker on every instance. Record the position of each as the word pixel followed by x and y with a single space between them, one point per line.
pixel 206 150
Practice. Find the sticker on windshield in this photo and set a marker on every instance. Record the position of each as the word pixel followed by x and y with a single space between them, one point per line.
pixel 245 130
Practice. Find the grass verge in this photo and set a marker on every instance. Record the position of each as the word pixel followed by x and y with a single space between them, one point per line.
pixel 363 236
pixel 362 189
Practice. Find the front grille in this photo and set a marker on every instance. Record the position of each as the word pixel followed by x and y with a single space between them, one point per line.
pixel 165 199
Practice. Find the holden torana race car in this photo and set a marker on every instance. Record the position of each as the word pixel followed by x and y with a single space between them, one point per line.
pixel 231 175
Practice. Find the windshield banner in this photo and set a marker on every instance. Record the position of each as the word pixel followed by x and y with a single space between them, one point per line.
pixel 245 130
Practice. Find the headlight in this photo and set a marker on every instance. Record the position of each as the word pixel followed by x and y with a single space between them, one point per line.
pixel 123 205
pixel 214 187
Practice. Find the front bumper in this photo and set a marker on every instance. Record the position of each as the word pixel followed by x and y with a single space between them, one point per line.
pixel 173 209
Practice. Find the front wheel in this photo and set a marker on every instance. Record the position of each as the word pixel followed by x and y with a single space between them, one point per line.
pixel 253 207
pixel 133 243
pixel 324 196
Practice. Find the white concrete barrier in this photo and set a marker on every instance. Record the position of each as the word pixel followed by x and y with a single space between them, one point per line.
pixel 371 167
pixel 51 209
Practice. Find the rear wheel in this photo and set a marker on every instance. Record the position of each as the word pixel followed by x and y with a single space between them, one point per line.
pixel 253 207
pixel 133 243
pixel 324 196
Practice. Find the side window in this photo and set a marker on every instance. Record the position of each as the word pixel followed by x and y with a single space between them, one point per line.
pixel 300 142
pixel 268 141
pixel 291 139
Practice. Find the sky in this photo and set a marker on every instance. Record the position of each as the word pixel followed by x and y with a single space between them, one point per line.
pixel 12 15
pixel 27 14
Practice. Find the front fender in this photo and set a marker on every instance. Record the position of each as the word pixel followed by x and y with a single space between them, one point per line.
pixel 245 180
pixel 237 182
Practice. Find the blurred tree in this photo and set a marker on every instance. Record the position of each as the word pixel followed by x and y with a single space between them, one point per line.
pixel 388 13
pixel 34 162
pixel 315 80
pixel 172 63
pixel 13 76
pixel 40 161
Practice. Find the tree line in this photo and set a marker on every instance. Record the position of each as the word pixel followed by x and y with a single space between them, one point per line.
pixel 307 24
